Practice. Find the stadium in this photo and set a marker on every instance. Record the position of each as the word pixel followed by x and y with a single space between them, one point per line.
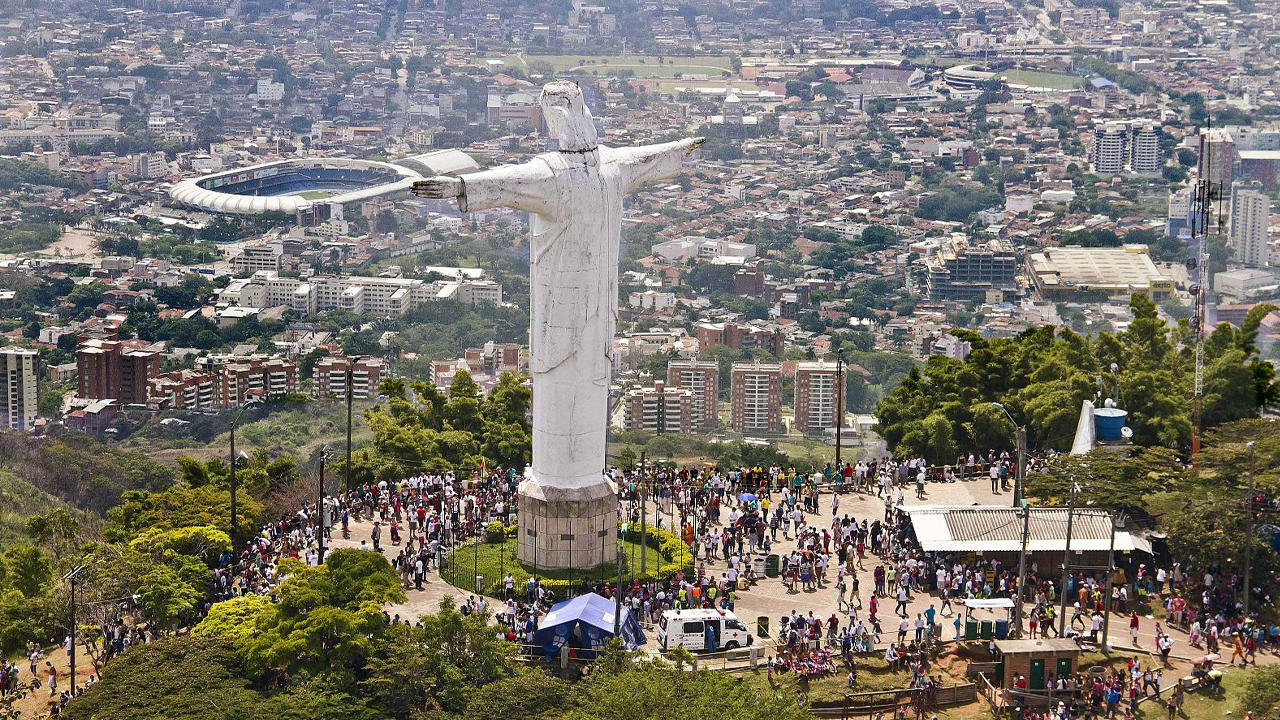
pixel 303 185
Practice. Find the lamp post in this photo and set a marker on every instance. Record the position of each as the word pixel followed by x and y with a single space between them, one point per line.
pixel 1020 434
pixel 351 367
pixel 250 402
pixel 839 406
pixel 324 457
pixel 1248 531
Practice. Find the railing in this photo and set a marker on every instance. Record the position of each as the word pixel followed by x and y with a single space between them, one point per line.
pixel 856 704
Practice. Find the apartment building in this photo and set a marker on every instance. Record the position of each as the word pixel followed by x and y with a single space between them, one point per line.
pixel 702 378
pixel 658 408
pixel 184 390
pixel 19 387
pixel 257 378
pixel 115 369
pixel 331 376
pixel 756 398
pixel 817 385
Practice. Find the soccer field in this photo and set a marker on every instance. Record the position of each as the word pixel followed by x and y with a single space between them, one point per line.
pixel 1034 78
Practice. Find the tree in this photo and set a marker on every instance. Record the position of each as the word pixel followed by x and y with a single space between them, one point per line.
pixel 326 619
pixel 656 691
pixel 202 678
pixel 439 664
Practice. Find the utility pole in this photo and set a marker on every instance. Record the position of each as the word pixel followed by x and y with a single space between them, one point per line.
pixel 1066 561
pixel 1248 532
pixel 644 511
pixel 324 455
pixel 346 473
pixel 232 482
pixel 839 407
pixel 1111 573
pixel 71 652
pixel 1022 570
pixel 1019 482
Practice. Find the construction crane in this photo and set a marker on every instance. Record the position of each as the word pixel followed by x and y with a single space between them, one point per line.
pixel 1204 194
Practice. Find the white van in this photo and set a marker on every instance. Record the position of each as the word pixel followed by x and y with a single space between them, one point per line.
pixel 688 629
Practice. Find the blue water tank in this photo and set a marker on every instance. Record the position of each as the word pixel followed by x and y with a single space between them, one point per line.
pixel 1108 422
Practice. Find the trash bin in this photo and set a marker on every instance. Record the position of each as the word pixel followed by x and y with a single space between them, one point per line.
pixel 479 584
pixel 771 566
pixel 985 630
pixel 970 629
pixel 1002 629
pixel 762 626
pixel 759 565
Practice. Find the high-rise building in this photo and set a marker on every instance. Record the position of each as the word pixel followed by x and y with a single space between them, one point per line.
pixel 1250 214
pixel 816 397
pixel 702 378
pixel 19 387
pixel 257 378
pixel 1110 148
pixel 184 390
pixel 659 408
pixel 756 398
pixel 1218 157
pixel 960 271
pixel 1147 159
pixel 331 376
pixel 115 369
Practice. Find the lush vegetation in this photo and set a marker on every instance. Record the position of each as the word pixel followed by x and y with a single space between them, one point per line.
pixel 419 428
pixel 1043 375
pixel 496 556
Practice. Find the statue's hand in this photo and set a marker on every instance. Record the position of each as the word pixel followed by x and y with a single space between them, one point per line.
pixel 438 187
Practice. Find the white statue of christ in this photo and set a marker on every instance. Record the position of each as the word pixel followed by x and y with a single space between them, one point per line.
pixel 575 196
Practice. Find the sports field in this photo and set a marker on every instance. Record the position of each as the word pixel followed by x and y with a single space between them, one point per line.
pixel 642 65
pixel 1035 78
pixel 314 194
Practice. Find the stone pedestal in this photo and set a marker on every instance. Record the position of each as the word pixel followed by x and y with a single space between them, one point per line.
pixel 567 527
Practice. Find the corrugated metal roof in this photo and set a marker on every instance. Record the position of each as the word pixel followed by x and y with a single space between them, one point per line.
pixel 980 528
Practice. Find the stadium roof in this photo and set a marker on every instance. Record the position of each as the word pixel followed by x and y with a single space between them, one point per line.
pixel 196 192
pixel 440 162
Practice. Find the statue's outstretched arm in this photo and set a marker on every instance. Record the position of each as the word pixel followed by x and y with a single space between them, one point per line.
pixel 529 187
pixel 654 162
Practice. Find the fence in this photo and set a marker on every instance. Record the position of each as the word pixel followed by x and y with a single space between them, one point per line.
pixel 855 705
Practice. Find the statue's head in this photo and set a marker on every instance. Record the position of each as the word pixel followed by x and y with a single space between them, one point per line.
pixel 567 116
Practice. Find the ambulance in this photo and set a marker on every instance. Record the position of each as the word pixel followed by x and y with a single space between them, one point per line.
pixel 696 630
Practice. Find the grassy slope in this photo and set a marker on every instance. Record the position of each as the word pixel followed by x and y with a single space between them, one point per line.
pixel 20 500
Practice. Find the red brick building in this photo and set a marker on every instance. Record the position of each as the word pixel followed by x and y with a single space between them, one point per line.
pixel 255 377
pixel 660 409
pixel 816 396
pixel 702 378
pixel 740 337
pixel 115 369
pixel 331 376
pixel 756 398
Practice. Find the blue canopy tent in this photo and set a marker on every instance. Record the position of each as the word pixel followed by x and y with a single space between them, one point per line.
pixel 584 623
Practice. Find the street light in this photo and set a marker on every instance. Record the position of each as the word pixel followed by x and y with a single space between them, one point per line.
pixel 1020 434
pixel 839 407
pixel 1248 533
pixel 235 459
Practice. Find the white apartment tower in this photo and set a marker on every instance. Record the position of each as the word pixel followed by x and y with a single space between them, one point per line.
pixel 1146 149
pixel 1250 214
pixel 1110 148
pixel 19 387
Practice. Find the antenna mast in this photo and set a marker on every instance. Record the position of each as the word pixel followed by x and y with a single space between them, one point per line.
pixel 1203 195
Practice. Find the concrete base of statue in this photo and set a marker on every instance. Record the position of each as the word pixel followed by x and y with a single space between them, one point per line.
pixel 563 528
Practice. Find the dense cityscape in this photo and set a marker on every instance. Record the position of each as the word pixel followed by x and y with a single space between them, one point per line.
pixel 308 311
